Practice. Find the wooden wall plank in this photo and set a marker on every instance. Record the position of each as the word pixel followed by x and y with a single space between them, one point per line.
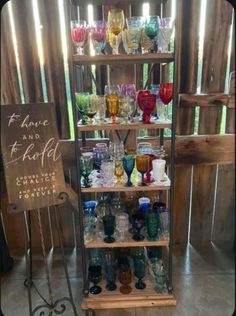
pixel 230 115
pixel 187 30
pixel 224 219
pixel 218 15
pixel 54 63
pixel 27 49
pixel 202 203
pixel 181 204
pixel 10 93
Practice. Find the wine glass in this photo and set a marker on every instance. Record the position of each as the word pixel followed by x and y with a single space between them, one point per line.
pixel 165 32
pixel 139 271
pixel 110 268
pixel 119 171
pixel 138 222
pixel 82 103
pixel 109 228
pixel 95 276
pixel 79 35
pixel 125 278
pixel 98 35
pixel 116 22
pixel 99 102
pixel 112 93
pixel 142 165
pixel 126 108
pixel 146 101
pixel 128 164
pixel 151 28
pixel 86 167
pixel 131 36
pixel 91 109
pixel 166 95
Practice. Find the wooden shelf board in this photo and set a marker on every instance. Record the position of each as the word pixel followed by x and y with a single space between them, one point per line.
pixel 137 298
pixel 123 59
pixel 130 126
pixel 128 242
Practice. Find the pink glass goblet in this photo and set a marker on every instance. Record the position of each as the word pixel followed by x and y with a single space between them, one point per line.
pixel 146 101
pixel 98 35
pixel 79 35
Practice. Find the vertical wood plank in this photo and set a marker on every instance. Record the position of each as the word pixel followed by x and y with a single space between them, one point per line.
pixel 224 220
pixel 230 115
pixel 218 15
pixel 202 203
pixel 181 204
pixel 10 93
pixel 187 30
pixel 27 48
pixel 54 63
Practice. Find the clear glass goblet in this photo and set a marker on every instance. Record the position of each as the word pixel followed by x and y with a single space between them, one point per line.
pixel 165 32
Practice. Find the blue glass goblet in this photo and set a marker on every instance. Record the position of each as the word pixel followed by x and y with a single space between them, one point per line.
pixel 139 271
pixel 128 164
pixel 95 276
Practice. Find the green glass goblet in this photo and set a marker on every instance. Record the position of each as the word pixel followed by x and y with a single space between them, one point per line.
pixel 152 226
pixel 109 228
pixel 86 167
pixel 139 271
pixel 128 164
pixel 151 28
pixel 82 103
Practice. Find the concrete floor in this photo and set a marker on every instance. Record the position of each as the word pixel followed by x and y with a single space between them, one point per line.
pixel 203 280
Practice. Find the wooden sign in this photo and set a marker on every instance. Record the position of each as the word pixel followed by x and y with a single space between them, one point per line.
pixel 31 156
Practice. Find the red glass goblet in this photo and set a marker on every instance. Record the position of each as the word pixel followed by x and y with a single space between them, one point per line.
pixel 166 94
pixel 146 101
pixel 149 179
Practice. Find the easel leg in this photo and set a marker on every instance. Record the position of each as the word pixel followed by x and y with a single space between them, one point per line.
pixel 59 232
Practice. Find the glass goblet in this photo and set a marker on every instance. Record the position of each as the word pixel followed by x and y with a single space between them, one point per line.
pixel 125 108
pixel 98 35
pixel 128 90
pixel 95 276
pixel 122 224
pixel 142 165
pixel 91 109
pixel 116 150
pixel 144 148
pixel 165 32
pixel 86 167
pixel 119 171
pixel 164 224
pixel 138 222
pixel 166 95
pixel 109 228
pixel 131 40
pixel 113 107
pixel 146 102
pixel 82 103
pixel 128 164
pixel 152 226
pixel 139 271
pixel 116 22
pixel 160 275
pixel 151 28
pixel 107 171
pixel 110 268
pixel 125 278
pixel 79 35
pixel 149 179
pixel 100 105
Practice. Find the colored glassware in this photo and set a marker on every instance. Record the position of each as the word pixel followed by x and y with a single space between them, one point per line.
pixel 165 32
pixel 110 268
pixel 138 222
pixel 149 179
pixel 131 36
pixel 166 95
pixel 139 271
pixel 86 167
pixel 128 164
pixel 146 101
pixel 119 171
pixel 82 103
pixel 142 165
pixel 109 228
pixel 152 226
pixel 79 35
pixel 125 278
pixel 95 276
pixel 116 22
pixel 98 35
pixel 151 28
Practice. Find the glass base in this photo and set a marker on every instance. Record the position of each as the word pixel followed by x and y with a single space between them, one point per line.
pixel 109 239
pixel 125 289
pixel 111 286
pixel 152 238
pixel 140 285
pixel 95 289
pixel 137 237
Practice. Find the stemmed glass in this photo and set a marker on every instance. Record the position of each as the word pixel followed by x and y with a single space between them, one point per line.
pixel 128 163
pixel 109 227
pixel 149 179
pixel 79 35
pixel 138 222
pixel 116 22
pixel 112 93
pixel 110 268
pixel 99 104
pixel 122 224
pixel 165 32
pixel 125 108
pixel 119 171
pixel 139 271
pixel 146 101
pixel 95 276
pixel 91 110
pixel 125 278
pixel 166 95
pixel 151 28
pixel 98 35
pixel 128 89
pixel 86 167
pixel 131 36
pixel 142 164
pixel 152 225
pixel 82 103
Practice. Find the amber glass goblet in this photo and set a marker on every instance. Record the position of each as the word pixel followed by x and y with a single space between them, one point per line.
pixel 125 278
pixel 116 22
pixel 119 171
pixel 142 165
pixel 113 106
